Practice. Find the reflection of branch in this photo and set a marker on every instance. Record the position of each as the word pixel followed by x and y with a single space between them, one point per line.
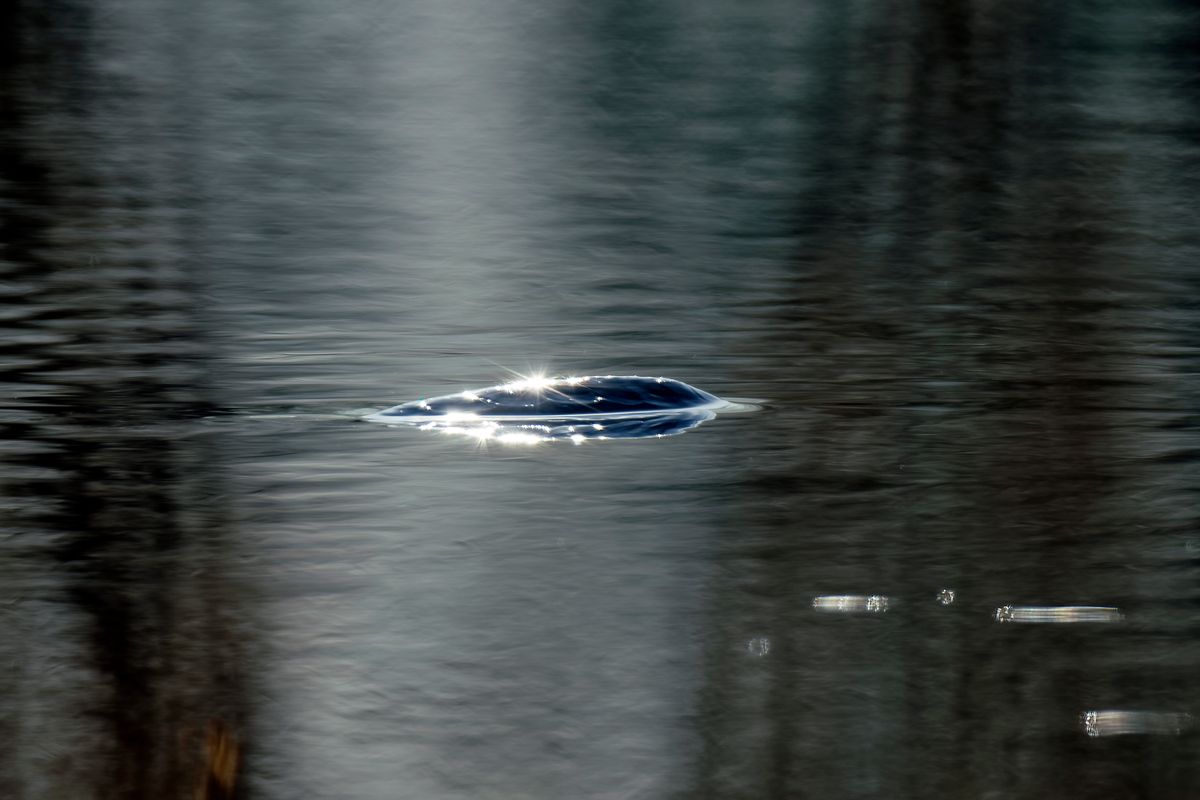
pixel 221 756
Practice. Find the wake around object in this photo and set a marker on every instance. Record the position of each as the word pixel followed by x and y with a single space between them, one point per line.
pixel 575 409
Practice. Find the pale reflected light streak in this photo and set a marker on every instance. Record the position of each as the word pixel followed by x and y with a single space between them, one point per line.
pixel 460 416
pixel 1114 722
pixel 1056 615
pixel 520 437
pixel 851 603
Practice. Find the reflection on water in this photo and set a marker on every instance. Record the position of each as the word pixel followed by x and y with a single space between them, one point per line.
pixel 1126 723
pixel 1058 614
pixel 583 397
pixel 640 426
pixel 953 243
pixel 576 409
pixel 851 604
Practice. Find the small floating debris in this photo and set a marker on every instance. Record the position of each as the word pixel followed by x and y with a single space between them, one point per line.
pixel 1044 615
pixel 1114 722
pixel 851 604
pixel 946 597
pixel 575 409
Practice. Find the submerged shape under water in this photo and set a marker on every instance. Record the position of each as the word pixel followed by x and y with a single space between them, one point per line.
pixel 574 409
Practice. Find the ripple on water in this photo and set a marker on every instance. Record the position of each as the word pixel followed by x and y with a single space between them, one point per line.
pixel 575 409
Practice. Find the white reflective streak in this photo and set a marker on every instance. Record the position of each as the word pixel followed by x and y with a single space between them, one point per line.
pixel 520 437
pixel 1058 614
pixel 1113 722
pixel 851 603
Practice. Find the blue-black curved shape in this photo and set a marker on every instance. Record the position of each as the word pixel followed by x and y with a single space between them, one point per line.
pixel 564 397
pixel 575 409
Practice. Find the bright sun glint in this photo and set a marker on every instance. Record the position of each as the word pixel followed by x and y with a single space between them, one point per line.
pixel 459 416
pixel 534 382
pixel 519 437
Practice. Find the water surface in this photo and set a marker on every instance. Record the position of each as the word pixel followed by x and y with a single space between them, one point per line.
pixel 952 246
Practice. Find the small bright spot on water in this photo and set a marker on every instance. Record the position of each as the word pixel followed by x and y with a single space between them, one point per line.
pixel 945 596
pixel 482 434
pixel 535 382
pixel 759 646
pixel 851 603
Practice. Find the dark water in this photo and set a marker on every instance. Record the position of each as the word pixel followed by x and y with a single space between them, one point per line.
pixel 953 245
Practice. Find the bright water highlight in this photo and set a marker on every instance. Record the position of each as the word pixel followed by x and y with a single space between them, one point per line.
pixel 576 409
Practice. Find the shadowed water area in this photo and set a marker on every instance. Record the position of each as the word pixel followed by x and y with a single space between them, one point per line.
pixel 951 246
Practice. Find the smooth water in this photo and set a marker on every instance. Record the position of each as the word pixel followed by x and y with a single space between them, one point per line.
pixel 953 247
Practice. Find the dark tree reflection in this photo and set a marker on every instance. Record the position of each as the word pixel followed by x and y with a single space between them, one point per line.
pixel 123 621
pixel 965 248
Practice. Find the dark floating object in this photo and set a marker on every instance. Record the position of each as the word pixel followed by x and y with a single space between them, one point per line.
pixel 575 409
